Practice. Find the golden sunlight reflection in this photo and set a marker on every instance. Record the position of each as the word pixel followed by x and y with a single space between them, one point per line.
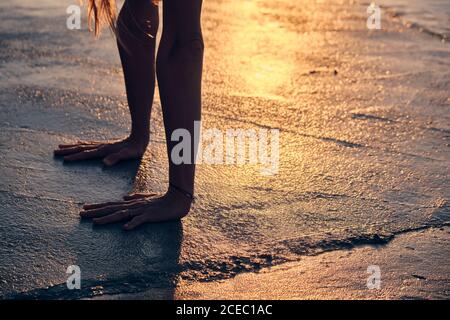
pixel 258 52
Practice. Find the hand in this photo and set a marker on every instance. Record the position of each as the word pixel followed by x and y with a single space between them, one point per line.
pixel 111 152
pixel 138 209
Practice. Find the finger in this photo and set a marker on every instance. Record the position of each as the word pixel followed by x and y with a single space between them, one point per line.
pixel 135 222
pixel 79 144
pixel 134 196
pixel 123 154
pixel 102 211
pixel 72 150
pixel 64 146
pixel 117 216
pixel 104 204
pixel 86 154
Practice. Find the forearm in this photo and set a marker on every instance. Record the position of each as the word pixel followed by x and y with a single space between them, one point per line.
pixel 179 71
pixel 136 30
pixel 140 84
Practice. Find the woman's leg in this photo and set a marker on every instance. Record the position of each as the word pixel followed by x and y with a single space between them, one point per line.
pixel 137 26
pixel 179 72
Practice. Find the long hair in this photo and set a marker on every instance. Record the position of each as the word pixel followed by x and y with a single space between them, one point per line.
pixel 103 12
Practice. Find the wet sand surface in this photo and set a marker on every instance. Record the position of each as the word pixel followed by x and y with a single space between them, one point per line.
pixel 364 146
pixel 405 272
pixel 430 16
pixel 403 266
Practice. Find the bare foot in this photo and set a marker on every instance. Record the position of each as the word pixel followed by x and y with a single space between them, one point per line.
pixel 138 209
pixel 111 152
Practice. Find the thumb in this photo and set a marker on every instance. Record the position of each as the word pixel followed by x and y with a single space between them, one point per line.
pixel 135 222
pixel 114 158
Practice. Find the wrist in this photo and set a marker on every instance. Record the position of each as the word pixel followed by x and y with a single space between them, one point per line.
pixel 140 141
